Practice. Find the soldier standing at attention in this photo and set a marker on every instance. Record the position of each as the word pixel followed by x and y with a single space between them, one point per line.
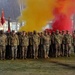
pixel 30 49
pixel 24 44
pixel 14 42
pixel 57 41
pixel 52 44
pixel 68 43
pixel 36 41
pixel 47 43
pixel 63 44
pixel 3 43
pixel 41 46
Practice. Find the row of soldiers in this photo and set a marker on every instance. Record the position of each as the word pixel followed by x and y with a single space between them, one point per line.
pixel 32 44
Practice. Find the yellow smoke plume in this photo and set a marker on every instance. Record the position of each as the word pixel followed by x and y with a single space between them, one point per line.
pixel 36 14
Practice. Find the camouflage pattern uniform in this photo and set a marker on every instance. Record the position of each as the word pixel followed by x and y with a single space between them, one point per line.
pixel 30 48
pixel 52 51
pixel 24 45
pixel 63 44
pixel 47 43
pixel 57 41
pixel 19 46
pixel 68 43
pixel 41 45
pixel 36 42
pixel 14 42
pixel 3 43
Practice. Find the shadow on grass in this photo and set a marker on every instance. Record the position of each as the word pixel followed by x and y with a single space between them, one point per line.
pixel 68 66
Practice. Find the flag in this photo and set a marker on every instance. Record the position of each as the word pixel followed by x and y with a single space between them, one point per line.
pixel 9 25
pixel 2 17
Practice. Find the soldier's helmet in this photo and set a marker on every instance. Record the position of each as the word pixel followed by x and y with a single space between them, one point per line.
pixel 57 31
pixel 13 32
pixel 67 31
pixel 2 32
pixel 34 32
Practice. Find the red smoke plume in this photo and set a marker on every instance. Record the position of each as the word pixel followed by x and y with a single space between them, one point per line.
pixel 63 11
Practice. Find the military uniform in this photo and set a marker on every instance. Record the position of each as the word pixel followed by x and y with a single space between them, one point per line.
pixel 52 51
pixel 14 42
pixel 30 47
pixel 47 43
pixel 36 42
pixel 57 41
pixel 62 45
pixel 68 43
pixel 41 45
pixel 24 45
pixel 3 43
pixel 19 46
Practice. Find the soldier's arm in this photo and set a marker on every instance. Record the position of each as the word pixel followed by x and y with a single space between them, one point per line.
pixel 17 40
pixel 6 41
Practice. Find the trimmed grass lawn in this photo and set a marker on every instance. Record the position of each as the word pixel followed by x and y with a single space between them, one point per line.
pixel 51 66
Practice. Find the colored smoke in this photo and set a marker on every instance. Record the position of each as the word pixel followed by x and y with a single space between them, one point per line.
pixel 38 12
pixel 63 11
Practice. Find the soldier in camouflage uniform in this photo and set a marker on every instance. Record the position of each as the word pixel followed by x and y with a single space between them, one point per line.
pixel 19 46
pixel 30 48
pixel 36 42
pixel 68 43
pixel 57 41
pixel 52 51
pixel 41 45
pixel 14 42
pixel 3 43
pixel 63 44
pixel 24 44
pixel 47 43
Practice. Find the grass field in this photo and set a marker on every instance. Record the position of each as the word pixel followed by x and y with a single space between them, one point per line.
pixel 51 66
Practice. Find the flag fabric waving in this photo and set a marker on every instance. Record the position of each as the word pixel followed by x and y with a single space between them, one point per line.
pixel 2 17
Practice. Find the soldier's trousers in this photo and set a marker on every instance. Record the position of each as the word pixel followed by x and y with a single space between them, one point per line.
pixel 2 52
pixel 68 50
pixel 24 51
pixel 62 49
pixel 35 48
pixel 57 49
pixel 46 50
pixel 14 52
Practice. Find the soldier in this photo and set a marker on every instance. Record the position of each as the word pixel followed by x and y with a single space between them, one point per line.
pixel 52 51
pixel 68 43
pixel 36 42
pixel 47 43
pixel 74 41
pixel 63 44
pixel 3 43
pixel 14 42
pixel 24 44
pixel 57 41
pixel 30 48
pixel 19 46
pixel 41 45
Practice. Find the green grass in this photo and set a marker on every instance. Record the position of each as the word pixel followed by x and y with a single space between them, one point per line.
pixel 51 66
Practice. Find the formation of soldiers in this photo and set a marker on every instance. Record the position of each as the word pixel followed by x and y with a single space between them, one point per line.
pixel 36 45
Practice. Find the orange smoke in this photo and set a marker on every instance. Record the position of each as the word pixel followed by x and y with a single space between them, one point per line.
pixel 38 12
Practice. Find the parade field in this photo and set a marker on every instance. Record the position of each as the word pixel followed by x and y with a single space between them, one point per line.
pixel 51 66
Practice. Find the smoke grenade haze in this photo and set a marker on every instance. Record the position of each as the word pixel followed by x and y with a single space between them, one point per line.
pixel 38 12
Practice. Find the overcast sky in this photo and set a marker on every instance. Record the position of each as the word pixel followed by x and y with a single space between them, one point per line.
pixel 11 8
